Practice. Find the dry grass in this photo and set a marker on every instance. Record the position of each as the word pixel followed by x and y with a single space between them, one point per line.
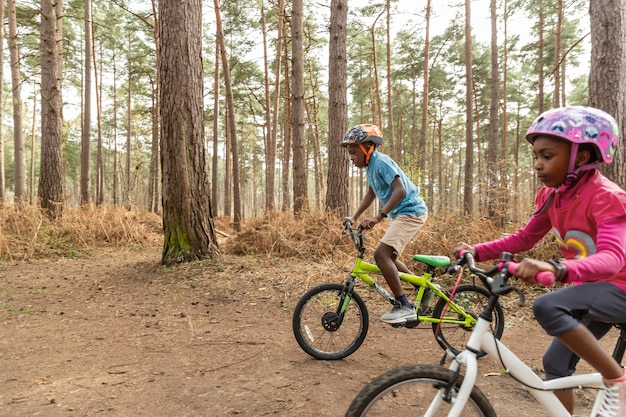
pixel 26 233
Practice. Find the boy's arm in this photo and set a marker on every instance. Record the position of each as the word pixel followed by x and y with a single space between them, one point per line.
pixel 365 203
pixel 397 194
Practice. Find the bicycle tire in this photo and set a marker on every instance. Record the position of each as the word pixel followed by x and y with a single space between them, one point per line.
pixel 472 299
pixel 320 331
pixel 410 390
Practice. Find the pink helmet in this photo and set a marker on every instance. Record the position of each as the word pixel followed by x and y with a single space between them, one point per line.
pixel 578 124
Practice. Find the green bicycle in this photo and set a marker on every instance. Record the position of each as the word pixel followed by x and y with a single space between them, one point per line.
pixel 331 320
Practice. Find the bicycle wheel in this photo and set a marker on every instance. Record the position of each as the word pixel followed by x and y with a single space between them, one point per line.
pixel 472 299
pixel 412 390
pixel 322 330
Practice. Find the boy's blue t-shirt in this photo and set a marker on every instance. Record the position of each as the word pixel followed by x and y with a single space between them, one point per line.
pixel 381 172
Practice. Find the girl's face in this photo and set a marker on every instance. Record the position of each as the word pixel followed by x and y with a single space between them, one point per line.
pixel 356 156
pixel 551 160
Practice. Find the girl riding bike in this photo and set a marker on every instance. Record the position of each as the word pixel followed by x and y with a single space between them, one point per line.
pixel 587 214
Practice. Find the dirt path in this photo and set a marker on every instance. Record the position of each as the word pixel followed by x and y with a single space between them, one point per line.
pixel 119 335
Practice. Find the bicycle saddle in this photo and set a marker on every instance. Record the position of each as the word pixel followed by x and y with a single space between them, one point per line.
pixel 433 260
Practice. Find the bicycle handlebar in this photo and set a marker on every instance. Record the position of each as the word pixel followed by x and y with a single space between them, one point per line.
pixel 496 278
pixel 545 278
pixel 356 235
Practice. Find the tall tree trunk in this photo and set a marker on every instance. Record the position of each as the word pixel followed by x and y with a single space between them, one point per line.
pixel 51 175
pixel 188 225
pixel 300 166
pixel 391 138
pixel 469 120
pixel 540 53
pixel 232 127
pixel 493 163
pixel 154 189
pixel 556 96
pixel 216 125
pixel 3 184
pixel 338 162
pixel 16 81
pixel 269 140
pixel 607 87
pixel 85 143
pixel 281 34
pixel 100 168
pixel 421 151
pixel 378 117
pixel 116 170
pixel 286 135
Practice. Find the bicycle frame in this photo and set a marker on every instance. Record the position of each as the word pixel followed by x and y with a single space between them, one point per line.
pixel 541 390
pixel 362 269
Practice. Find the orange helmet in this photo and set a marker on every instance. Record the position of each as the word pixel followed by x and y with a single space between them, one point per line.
pixel 363 133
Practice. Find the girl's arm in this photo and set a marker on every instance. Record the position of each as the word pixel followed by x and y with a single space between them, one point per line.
pixel 610 256
pixel 524 239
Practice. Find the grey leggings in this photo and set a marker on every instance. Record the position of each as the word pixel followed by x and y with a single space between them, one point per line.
pixel 596 305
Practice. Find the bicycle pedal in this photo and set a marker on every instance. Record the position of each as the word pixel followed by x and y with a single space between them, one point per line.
pixel 411 324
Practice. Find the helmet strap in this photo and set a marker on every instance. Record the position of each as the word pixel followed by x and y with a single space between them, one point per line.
pixel 368 152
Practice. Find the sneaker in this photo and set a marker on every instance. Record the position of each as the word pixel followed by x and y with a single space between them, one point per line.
pixel 427 300
pixel 399 314
pixel 614 400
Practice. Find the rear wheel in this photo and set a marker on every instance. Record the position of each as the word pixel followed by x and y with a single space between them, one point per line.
pixel 322 330
pixel 413 390
pixel 472 299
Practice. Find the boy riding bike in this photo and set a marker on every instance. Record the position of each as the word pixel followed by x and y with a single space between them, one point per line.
pixel 400 202
pixel 587 214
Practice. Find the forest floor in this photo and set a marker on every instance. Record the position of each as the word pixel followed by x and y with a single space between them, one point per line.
pixel 118 334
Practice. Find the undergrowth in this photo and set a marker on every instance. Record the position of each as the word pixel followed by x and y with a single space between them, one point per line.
pixel 25 233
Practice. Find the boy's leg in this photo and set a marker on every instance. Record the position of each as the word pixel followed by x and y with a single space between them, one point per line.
pixel 399 232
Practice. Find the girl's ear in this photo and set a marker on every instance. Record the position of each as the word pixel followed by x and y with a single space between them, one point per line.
pixel 582 157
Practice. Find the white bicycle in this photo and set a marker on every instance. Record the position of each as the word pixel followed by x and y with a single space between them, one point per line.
pixel 434 391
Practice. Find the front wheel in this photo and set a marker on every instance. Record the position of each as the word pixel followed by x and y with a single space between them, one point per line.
pixel 415 390
pixel 329 323
pixel 472 299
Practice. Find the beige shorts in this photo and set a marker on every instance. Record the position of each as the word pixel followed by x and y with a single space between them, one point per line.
pixel 401 230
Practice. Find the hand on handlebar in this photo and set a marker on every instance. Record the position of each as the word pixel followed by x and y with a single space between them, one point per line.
pixel 533 270
pixel 461 247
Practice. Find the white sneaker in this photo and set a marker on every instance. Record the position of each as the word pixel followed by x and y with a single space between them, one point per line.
pixel 399 314
pixel 614 401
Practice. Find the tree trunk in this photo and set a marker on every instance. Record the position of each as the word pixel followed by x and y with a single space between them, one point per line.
pixel 2 165
pixel 469 119
pixel 216 125
pixel 493 163
pixel 188 225
pixel 606 78
pixel 85 143
pixel 391 137
pixel 51 175
pixel 421 151
pixel 16 81
pixel 154 189
pixel 338 162
pixel 232 127
pixel 300 166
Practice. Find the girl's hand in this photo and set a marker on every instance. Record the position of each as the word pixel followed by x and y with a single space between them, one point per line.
pixel 529 268
pixel 463 247
pixel 349 219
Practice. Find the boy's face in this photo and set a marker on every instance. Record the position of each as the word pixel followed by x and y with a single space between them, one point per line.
pixel 551 160
pixel 356 156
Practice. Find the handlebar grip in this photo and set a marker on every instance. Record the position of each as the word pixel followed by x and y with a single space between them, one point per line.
pixel 512 267
pixel 545 278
